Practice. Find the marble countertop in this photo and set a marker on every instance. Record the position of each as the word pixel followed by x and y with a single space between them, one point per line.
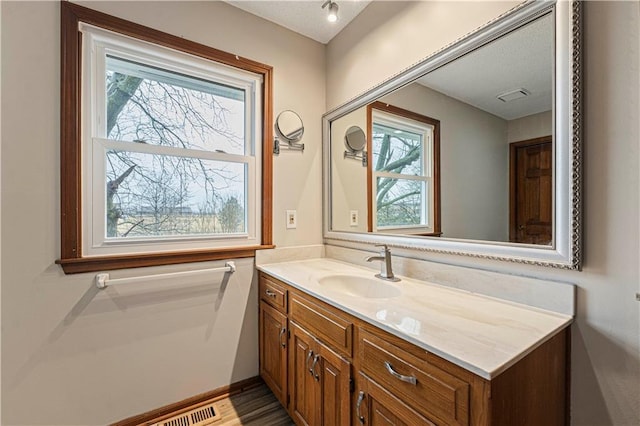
pixel 481 334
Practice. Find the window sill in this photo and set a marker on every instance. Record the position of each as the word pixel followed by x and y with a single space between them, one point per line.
pixel 107 263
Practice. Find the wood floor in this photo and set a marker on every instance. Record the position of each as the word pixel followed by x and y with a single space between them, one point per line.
pixel 256 406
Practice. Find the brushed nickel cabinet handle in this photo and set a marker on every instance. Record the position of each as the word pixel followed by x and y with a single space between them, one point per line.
pixel 358 404
pixel 270 293
pixel 282 332
pixel 313 368
pixel 394 373
pixel 306 363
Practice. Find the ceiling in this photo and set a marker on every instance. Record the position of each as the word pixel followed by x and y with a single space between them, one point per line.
pixel 304 17
pixel 522 59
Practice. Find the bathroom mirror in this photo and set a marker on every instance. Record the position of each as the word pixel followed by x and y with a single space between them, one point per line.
pixel 289 129
pixel 503 103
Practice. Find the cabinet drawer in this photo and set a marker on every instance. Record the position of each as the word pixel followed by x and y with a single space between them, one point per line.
pixel 331 329
pixel 375 406
pixel 423 386
pixel 273 293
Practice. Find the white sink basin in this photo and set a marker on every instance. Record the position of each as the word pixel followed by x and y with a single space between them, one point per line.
pixel 356 286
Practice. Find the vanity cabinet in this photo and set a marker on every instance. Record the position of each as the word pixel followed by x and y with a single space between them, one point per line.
pixel 331 368
pixel 303 355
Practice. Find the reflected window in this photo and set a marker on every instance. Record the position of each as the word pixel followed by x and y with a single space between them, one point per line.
pixel 404 171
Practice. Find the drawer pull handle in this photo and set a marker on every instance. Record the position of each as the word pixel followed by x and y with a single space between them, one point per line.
pixel 282 332
pixel 270 293
pixel 306 363
pixel 313 368
pixel 394 373
pixel 358 404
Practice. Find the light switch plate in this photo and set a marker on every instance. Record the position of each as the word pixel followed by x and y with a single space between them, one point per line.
pixel 353 218
pixel 292 219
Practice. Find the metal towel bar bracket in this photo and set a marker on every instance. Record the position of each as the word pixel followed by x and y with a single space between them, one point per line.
pixel 103 280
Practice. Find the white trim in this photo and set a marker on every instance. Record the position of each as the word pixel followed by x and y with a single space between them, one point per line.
pixel 98 43
pixel 401 176
pixel 172 151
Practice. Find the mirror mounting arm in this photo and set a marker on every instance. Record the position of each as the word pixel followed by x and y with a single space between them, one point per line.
pixel 357 156
pixel 292 146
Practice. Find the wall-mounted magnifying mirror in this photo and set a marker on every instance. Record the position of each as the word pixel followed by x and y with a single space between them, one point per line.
pixel 356 141
pixel 289 130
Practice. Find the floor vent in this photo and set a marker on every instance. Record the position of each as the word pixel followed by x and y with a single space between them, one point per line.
pixel 201 416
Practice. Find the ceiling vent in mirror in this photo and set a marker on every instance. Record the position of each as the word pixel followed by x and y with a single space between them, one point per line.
pixel 512 95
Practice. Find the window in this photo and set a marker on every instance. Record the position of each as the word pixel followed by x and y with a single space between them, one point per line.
pixel 404 171
pixel 164 159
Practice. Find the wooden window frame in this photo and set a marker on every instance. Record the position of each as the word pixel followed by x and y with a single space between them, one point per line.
pixel 71 259
pixel 391 109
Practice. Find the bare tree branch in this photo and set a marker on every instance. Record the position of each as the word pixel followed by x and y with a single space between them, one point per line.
pixel 119 90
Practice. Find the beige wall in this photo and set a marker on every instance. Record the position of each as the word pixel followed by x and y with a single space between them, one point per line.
pixel 86 357
pixel 348 177
pixel 473 163
pixel 529 127
pixel 606 336
pixel 419 28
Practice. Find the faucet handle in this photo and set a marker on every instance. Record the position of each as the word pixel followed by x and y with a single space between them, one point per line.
pixel 386 248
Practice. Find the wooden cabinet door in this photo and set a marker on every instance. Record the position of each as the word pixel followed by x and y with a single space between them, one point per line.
pixel 375 406
pixel 333 377
pixel 273 351
pixel 303 406
pixel 319 382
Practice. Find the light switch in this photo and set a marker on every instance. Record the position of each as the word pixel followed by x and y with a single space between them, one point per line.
pixel 292 219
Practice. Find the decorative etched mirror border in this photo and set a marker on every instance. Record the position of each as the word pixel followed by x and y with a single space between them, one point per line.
pixel 566 251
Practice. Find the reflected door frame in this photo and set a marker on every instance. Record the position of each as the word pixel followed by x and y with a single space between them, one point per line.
pixel 513 184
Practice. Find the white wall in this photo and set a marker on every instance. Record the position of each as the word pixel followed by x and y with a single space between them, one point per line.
pixel 606 336
pixel 87 357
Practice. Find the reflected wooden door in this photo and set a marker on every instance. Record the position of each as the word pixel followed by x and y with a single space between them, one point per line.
pixel 531 191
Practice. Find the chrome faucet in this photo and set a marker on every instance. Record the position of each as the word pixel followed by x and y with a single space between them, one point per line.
pixel 386 273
